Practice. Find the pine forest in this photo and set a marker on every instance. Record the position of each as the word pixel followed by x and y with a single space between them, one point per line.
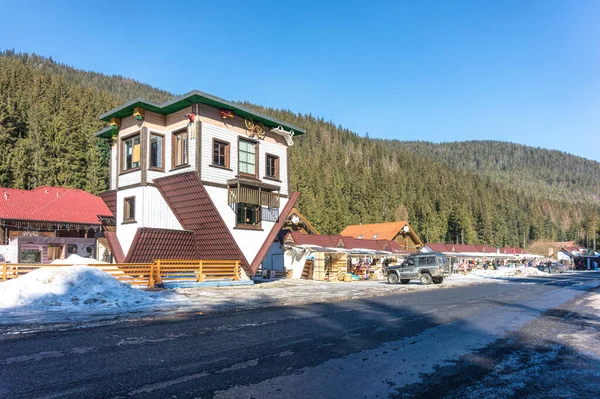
pixel 478 192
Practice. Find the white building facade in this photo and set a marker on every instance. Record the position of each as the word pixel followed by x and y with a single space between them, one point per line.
pixel 238 156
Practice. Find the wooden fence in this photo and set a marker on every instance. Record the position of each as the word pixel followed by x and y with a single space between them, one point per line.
pixel 146 274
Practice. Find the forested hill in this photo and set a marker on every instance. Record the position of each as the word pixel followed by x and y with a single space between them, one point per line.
pixel 536 171
pixel 49 112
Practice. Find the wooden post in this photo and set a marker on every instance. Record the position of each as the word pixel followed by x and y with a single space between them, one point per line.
pixel 158 275
pixel 4 271
pixel 151 280
pixel 236 276
pixel 200 273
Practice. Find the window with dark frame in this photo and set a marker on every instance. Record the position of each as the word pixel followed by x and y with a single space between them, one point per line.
pixel 272 167
pixel 248 215
pixel 129 209
pixel 131 152
pixel 220 153
pixel 157 144
pixel 180 148
pixel 247 157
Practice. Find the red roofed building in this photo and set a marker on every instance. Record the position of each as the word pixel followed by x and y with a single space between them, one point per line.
pixel 49 223
pixel 400 231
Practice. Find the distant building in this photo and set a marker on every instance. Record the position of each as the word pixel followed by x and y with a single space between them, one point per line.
pixel 400 232
pixel 197 177
pixel 48 223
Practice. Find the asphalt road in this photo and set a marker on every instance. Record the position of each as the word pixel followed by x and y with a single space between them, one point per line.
pixel 374 347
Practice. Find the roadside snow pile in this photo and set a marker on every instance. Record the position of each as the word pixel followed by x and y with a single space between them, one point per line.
pixel 509 272
pixel 72 288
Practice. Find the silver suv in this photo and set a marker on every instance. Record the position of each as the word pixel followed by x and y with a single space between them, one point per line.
pixel 426 268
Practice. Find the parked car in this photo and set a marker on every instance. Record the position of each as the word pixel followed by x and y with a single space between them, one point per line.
pixel 554 268
pixel 426 268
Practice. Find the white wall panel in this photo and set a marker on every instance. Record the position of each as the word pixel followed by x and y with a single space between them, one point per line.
pixel 130 178
pixel 249 241
pixel 220 176
pixel 279 151
pixel 113 166
pixel 156 211
pixel 126 232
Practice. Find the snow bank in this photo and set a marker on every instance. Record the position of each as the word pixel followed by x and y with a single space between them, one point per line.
pixel 509 272
pixel 72 288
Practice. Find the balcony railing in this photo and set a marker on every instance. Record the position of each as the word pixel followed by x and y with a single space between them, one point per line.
pixel 247 195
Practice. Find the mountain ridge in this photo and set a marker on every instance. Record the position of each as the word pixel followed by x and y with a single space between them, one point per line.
pixel 49 111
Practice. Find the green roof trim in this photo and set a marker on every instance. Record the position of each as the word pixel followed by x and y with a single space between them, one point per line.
pixel 184 101
pixel 107 132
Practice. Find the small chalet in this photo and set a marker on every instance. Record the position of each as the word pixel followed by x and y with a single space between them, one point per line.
pixel 197 177
pixel 48 223
pixel 400 232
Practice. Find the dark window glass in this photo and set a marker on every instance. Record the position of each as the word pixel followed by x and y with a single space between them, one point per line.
pixel 221 154
pixel 272 168
pixel 248 214
pixel 156 151
pixel 129 211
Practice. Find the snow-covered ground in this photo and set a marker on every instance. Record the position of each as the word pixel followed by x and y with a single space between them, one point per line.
pixel 509 272
pixel 84 293
pixel 72 293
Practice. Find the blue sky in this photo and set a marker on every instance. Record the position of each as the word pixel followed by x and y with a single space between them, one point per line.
pixel 521 71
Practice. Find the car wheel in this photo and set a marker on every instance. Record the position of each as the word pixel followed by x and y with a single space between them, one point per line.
pixel 438 280
pixel 392 278
pixel 425 278
pixel 405 280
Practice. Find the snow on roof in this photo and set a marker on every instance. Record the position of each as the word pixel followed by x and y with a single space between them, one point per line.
pixel 52 204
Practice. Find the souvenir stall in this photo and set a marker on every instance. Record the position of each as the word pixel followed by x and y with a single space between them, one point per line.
pixel 368 264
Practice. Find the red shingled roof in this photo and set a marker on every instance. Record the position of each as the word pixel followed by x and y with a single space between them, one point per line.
pixel 355 243
pixel 511 250
pixel 349 243
pixel 52 204
pixel 195 211
pixel 115 246
pixel 440 247
pixel 313 239
pixel 150 244
pixel 110 199
pixel 486 249
pixel 460 248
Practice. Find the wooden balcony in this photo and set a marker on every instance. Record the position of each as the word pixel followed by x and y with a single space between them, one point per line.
pixel 253 195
